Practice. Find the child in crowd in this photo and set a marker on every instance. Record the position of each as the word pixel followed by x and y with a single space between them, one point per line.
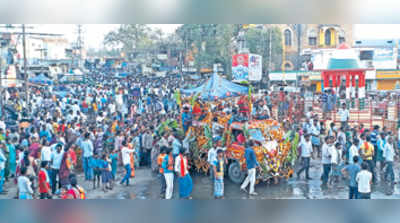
pixel 105 168
pixel 96 170
pixel 219 166
pixel 114 164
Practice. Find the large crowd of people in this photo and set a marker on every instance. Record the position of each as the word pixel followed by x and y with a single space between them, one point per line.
pixel 96 129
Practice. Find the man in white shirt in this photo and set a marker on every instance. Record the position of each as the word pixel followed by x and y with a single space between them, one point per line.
pixel 306 151
pixel 211 157
pixel 388 154
pixel 353 151
pixel 344 115
pixel 45 154
pixel 126 161
pixel 76 108
pixel 364 181
pixel 327 150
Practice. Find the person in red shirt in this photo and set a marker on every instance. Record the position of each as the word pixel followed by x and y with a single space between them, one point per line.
pixel 72 154
pixel 44 181
pixel 241 139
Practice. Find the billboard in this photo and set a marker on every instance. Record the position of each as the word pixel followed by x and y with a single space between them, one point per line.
pixel 255 67
pixel 240 67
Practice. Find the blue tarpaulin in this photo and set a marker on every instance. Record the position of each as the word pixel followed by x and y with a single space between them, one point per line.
pixel 217 87
pixel 41 79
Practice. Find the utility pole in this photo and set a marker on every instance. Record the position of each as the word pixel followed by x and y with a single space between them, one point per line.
pixel 79 44
pixel 24 34
pixel 25 71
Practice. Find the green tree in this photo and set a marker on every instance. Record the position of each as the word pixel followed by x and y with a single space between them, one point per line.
pixel 258 42
pixel 128 37
pixel 211 43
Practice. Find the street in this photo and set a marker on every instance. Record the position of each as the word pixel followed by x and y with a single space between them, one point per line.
pixel 146 186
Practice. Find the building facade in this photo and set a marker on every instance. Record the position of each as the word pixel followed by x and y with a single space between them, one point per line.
pixel 300 38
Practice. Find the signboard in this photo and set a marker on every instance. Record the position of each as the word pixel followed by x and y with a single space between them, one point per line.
pixel 162 56
pixel 280 76
pixel 240 67
pixel 384 58
pixel 255 67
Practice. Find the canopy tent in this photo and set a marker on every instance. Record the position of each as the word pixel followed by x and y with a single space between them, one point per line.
pixel 41 79
pixel 217 87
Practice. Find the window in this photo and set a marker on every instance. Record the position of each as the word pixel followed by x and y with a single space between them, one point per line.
pixel 341 40
pixel 366 55
pixel 288 38
pixel 328 37
pixel 312 41
pixel 312 37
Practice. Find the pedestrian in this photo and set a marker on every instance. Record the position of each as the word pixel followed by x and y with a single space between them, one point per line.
pixel 25 190
pixel 327 150
pixel 344 115
pixel 126 161
pixel 95 166
pixel 367 151
pixel 44 181
pixel 160 159
pixel 388 154
pixel 211 157
pixel 306 154
pixel 87 154
pixel 352 170
pixel 374 135
pixel 364 181
pixel 219 169
pixel 380 148
pixel 336 162
pixel 56 159
pixel 168 167
pixel 114 164
pixel 75 192
pixel 3 161
pixel 252 164
pixel 353 151
pixel 12 157
pixel 105 168
pixel 185 180
pixel 65 170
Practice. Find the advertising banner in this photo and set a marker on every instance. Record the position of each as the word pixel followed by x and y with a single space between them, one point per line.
pixel 240 67
pixel 255 67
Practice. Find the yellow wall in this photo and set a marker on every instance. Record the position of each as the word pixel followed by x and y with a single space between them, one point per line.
pixel 333 37
pixel 386 84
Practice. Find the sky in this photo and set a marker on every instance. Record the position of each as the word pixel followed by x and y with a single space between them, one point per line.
pixel 94 33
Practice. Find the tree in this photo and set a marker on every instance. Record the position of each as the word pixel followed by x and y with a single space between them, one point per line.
pixel 128 37
pixel 210 43
pixel 258 42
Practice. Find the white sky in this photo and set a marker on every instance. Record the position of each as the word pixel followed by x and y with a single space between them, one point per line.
pixel 94 33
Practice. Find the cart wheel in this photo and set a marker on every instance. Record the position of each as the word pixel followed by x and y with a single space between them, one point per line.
pixel 235 174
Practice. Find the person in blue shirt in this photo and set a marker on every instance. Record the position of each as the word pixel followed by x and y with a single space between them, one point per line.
pixel 352 170
pixel 95 165
pixel 114 163
pixel 87 155
pixel 374 141
pixel 252 164
pixel 168 167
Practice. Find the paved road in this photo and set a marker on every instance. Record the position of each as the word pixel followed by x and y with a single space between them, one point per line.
pixel 146 186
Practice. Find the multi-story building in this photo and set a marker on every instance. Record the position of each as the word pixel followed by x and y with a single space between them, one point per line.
pixel 298 39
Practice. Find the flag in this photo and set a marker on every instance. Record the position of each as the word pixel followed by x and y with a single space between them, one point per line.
pixel 194 98
pixel 177 96
pixel 250 102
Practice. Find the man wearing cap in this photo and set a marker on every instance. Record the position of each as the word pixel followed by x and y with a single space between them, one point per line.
pixel 306 151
